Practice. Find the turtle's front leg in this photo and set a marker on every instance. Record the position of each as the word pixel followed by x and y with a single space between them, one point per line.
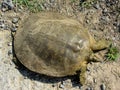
pixel 102 44
pixel 82 75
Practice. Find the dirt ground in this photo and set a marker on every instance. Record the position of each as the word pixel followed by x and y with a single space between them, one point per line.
pixel 102 20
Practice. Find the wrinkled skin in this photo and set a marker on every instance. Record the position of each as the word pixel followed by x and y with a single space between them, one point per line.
pixel 54 45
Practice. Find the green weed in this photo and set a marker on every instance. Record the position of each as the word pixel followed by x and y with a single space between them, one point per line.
pixel 32 5
pixel 73 1
pixel 112 53
pixel 88 3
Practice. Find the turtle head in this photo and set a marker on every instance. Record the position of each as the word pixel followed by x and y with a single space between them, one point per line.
pixel 98 56
pixel 99 50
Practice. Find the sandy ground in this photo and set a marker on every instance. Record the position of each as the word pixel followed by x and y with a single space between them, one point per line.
pixel 100 76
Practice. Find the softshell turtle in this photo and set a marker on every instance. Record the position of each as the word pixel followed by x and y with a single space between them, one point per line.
pixel 55 45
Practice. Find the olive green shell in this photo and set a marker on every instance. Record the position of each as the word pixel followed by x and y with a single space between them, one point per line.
pixel 52 44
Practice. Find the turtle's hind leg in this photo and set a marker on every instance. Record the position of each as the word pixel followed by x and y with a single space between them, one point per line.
pixel 82 75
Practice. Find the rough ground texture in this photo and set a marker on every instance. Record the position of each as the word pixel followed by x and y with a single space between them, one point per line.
pixel 103 21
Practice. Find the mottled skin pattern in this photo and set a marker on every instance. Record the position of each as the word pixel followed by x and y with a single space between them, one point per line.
pixel 54 45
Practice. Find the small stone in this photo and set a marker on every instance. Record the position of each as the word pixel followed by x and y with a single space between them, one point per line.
pixel 87 21
pixel 113 38
pixel 10 44
pixel 105 10
pixel 103 87
pixel 3 9
pixel 10 52
pixel 64 83
pixel 52 1
pixel 102 0
pixel 46 6
pixel 13 29
pixel 67 83
pixel 2 14
pixel 53 85
pixel 7 5
pixel 77 87
pixel 2 21
pixel 25 77
pixel 17 25
pixel 94 80
pixel 88 69
pixel 114 28
pixel 2 25
pixel 97 6
pixel 89 88
pixel 15 20
pixel 6 27
pixel 61 86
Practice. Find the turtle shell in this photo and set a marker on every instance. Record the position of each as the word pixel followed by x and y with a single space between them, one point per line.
pixel 52 44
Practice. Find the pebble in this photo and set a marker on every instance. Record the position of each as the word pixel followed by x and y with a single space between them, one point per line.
pixel 3 9
pixel 46 6
pixel 97 6
pixel 105 10
pixel 2 25
pixel 15 20
pixel 87 21
pixel 10 44
pixel 105 19
pixel 88 68
pixel 89 88
pixel 17 25
pixel 2 21
pixel 7 5
pixel 94 80
pixel 10 52
pixel 52 1
pixel 103 87
pixel 53 85
pixel 13 29
pixel 25 77
pixel 61 86
pixel 103 0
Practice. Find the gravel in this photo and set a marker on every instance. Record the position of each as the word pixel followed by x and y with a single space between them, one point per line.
pixel 10 52
pixel 7 5
pixel 2 25
pixel 103 87
pixel 15 20
pixel 97 6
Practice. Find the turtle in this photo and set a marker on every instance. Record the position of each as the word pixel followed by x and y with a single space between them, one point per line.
pixel 56 45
